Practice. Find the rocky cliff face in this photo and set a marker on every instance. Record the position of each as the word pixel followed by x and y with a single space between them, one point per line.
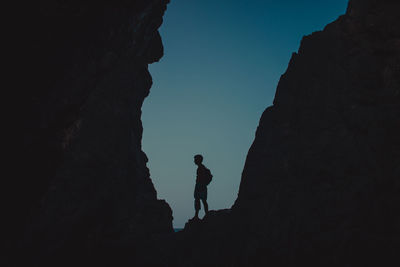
pixel 321 183
pixel 83 189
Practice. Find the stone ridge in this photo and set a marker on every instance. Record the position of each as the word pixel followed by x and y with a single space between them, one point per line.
pixel 320 186
pixel 83 195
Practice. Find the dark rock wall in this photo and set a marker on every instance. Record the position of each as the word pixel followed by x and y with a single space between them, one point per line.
pixel 321 183
pixel 323 174
pixel 83 189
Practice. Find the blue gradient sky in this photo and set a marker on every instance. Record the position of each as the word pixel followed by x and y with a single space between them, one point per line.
pixel 223 60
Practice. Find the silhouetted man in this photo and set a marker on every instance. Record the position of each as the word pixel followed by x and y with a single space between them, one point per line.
pixel 203 179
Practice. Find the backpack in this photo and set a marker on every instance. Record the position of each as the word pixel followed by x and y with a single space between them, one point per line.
pixel 208 176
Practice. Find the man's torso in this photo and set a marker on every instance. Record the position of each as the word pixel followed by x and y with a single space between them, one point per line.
pixel 201 180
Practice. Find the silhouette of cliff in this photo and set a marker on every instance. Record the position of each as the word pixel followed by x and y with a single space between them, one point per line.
pixel 321 183
pixel 82 189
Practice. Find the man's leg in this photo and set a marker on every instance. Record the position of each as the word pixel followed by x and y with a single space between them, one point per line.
pixel 205 204
pixel 197 207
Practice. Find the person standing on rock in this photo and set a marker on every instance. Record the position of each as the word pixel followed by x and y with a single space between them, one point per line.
pixel 203 178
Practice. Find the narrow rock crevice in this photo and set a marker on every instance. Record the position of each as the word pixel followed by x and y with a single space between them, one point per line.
pixel 321 181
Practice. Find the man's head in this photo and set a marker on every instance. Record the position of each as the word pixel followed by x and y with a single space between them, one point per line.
pixel 198 159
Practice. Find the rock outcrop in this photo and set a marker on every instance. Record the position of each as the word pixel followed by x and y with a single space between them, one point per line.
pixel 321 183
pixel 83 190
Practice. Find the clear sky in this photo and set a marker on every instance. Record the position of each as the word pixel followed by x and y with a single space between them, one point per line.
pixel 223 60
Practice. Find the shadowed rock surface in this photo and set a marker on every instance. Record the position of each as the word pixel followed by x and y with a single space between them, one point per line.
pixel 83 195
pixel 321 183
